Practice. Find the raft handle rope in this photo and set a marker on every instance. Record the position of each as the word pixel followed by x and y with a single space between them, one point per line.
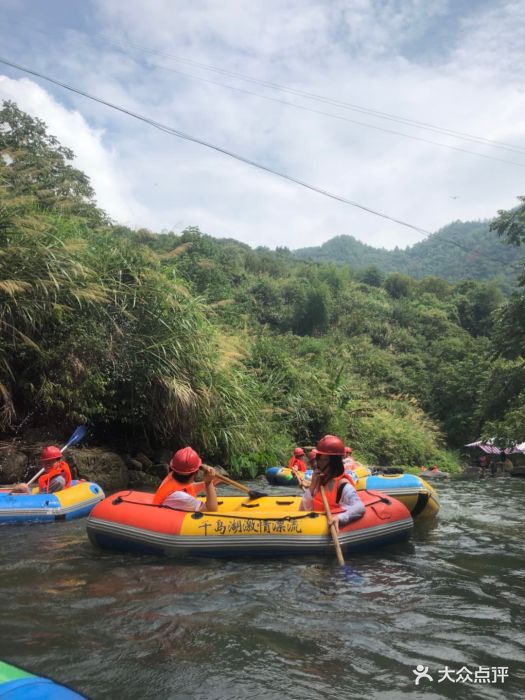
pixel 308 514
pixel 381 499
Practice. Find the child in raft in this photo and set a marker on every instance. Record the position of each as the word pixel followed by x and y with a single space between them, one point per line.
pixel 179 489
pixel 297 461
pixel 56 476
pixel 339 488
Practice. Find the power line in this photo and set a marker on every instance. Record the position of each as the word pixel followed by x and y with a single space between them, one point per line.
pixel 194 139
pixel 329 100
pixel 260 166
pixel 336 116
pixel 383 115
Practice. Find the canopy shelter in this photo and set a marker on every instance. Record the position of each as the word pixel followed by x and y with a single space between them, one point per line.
pixel 491 449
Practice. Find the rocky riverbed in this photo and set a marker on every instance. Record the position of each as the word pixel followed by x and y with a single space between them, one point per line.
pixel 19 461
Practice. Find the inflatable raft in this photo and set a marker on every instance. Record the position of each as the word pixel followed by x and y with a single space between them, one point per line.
pixel 270 525
pixel 16 684
pixel 74 502
pixel 431 474
pixel 419 497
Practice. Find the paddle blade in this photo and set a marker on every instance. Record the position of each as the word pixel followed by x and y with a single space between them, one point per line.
pixel 256 494
pixel 77 436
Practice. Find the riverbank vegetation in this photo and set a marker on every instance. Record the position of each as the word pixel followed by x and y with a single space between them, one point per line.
pixel 171 339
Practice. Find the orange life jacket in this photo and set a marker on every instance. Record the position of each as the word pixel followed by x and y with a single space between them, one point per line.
pixel 296 463
pixel 169 485
pixel 58 469
pixel 332 495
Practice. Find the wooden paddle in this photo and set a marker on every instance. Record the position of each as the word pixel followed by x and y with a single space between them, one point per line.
pixel 251 493
pixel 300 478
pixel 333 530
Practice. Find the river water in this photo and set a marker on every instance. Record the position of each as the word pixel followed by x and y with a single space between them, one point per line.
pixel 115 625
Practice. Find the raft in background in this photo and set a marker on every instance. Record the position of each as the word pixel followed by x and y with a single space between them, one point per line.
pixel 266 526
pixel 282 476
pixel 76 501
pixel 16 684
pixel 414 492
pixel 430 474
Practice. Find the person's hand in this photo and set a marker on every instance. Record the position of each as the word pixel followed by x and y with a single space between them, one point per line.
pixel 335 523
pixel 209 475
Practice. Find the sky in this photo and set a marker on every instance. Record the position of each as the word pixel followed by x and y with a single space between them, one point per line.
pixel 319 90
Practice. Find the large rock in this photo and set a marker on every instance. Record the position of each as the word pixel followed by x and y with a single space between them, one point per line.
pixel 105 468
pixel 13 465
pixel 143 482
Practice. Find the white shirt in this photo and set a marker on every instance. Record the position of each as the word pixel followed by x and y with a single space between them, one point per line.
pixel 183 501
pixel 350 502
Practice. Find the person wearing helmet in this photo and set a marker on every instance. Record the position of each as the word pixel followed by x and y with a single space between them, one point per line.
pixel 179 489
pixel 343 500
pixel 297 460
pixel 311 458
pixel 56 476
pixel 348 461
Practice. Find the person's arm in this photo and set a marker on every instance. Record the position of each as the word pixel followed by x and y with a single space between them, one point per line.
pixel 57 483
pixel 352 505
pixel 199 486
pixel 180 500
pixel 20 489
pixel 211 493
pixel 306 501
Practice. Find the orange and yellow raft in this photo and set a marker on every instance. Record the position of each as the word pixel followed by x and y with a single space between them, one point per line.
pixel 269 525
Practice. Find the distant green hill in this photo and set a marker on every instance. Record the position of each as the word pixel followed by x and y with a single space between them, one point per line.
pixel 478 255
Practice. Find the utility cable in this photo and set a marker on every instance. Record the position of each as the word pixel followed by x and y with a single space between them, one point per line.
pixel 121 45
pixel 194 139
pixel 255 164
pixel 336 116
pixel 325 99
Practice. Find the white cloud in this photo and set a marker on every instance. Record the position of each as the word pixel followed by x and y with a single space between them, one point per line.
pixel 431 62
pixel 113 190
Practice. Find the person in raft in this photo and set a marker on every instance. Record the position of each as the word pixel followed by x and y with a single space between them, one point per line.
pixel 56 477
pixel 343 500
pixel 179 489
pixel 348 461
pixel 297 460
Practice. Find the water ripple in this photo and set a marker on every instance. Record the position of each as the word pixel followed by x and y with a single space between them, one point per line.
pixel 115 625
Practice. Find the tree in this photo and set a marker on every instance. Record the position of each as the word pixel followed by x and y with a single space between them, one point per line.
pixel 510 225
pixel 36 164
pixel 398 285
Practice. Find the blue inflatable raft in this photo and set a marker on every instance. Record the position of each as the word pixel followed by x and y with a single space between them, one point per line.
pixel 76 501
pixel 16 684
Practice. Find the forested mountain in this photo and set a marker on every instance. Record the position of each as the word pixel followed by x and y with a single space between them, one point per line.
pixel 186 339
pixel 459 251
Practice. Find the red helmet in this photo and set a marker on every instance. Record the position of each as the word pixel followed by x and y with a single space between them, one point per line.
pixel 298 452
pixel 312 454
pixel 348 450
pixel 50 454
pixel 330 445
pixel 185 461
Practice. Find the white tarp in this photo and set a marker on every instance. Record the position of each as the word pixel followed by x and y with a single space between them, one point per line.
pixel 491 449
